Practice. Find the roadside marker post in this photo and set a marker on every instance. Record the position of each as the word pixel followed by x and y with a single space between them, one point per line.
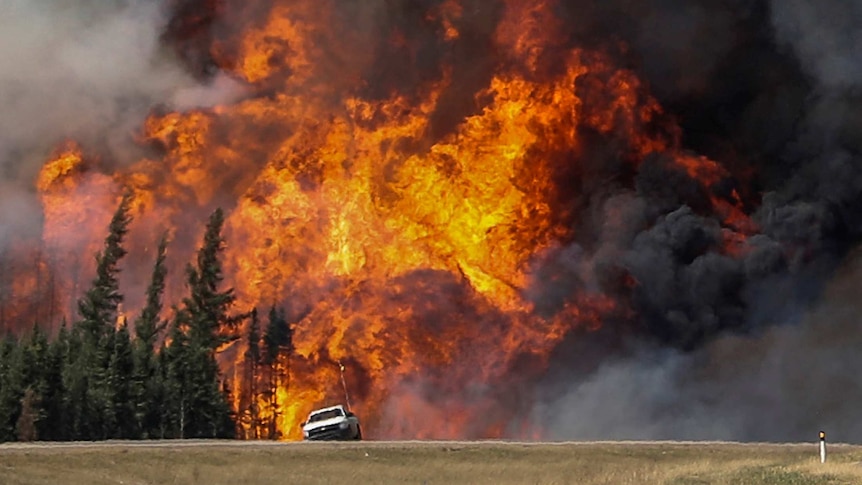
pixel 822 447
pixel 344 385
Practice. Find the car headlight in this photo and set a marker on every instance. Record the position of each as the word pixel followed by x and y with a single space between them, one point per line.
pixel 343 425
pixel 305 433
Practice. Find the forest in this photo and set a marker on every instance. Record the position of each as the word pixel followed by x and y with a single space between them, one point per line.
pixel 102 378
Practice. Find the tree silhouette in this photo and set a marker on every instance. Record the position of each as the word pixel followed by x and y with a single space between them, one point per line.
pixel 278 346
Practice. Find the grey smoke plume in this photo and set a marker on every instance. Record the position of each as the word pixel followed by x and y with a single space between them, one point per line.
pixel 750 347
pixel 89 70
pixel 783 384
pixel 826 36
pixel 80 69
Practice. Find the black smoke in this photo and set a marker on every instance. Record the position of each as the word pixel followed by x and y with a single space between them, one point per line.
pixel 769 89
pixel 752 346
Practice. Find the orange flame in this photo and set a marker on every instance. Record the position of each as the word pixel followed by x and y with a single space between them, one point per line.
pixel 404 253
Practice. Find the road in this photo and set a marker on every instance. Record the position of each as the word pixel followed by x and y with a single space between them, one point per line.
pixel 352 444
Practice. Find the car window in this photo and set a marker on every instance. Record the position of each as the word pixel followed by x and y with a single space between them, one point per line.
pixel 332 413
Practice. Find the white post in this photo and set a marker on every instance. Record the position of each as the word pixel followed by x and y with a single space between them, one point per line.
pixel 822 447
pixel 344 384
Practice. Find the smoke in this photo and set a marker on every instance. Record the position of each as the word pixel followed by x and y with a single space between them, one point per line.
pixel 748 346
pixel 17 210
pixel 782 384
pixel 88 70
pixel 826 37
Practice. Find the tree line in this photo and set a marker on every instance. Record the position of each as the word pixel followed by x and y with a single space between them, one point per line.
pixel 99 379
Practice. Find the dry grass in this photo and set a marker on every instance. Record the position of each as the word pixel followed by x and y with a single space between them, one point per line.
pixel 428 463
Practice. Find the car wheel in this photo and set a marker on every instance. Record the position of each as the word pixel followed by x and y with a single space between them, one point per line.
pixel 358 433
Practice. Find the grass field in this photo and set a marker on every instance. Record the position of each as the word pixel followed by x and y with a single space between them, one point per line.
pixel 496 463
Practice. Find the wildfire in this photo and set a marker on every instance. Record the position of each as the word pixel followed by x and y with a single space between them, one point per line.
pixel 402 249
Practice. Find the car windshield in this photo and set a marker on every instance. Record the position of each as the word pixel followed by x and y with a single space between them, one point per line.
pixel 332 413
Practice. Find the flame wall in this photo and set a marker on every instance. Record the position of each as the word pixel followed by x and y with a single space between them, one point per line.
pixel 457 199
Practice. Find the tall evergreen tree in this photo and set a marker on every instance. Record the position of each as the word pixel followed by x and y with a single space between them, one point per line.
pixel 177 366
pixel 120 387
pixel 148 326
pixel 54 427
pixel 172 369
pixel 35 354
pixel 206 318
pixel 76 398
pixel 102 420
pixel 147 386
pixel 25 428
pixel 278 347
pixel 253 361
pixel 11 387
pixel 91 390
pixel 98 307
pixel 208 307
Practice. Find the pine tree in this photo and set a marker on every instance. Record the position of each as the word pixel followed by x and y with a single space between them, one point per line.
pixel 229 419
pixel 147 382
pixel 119 384
pixel 54 426
pixel 169 402
pixel 25 428
pixel 206 317
pixel 253 361
pixel 35 366
pixel 102 420
pixel 98 307
pixel 76 399
pixel 94 402
pixel 11 387
pixel 22 370
pixel 278 347
pixel 175 367
pixel 210 324
pixel 147 326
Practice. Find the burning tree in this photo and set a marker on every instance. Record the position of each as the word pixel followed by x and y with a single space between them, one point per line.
pixel 250 415
pixel 449 197
pixel 264 391
pixel 278 347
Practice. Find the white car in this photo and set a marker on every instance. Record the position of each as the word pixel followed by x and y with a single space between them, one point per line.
pixel 332 423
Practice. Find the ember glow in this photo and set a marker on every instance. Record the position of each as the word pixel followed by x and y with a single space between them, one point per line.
pixel 407 191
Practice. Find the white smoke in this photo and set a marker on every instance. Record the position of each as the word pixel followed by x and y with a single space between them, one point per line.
pixel 84 68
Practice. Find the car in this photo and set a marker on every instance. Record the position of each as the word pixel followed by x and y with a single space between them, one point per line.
pixel 331 423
